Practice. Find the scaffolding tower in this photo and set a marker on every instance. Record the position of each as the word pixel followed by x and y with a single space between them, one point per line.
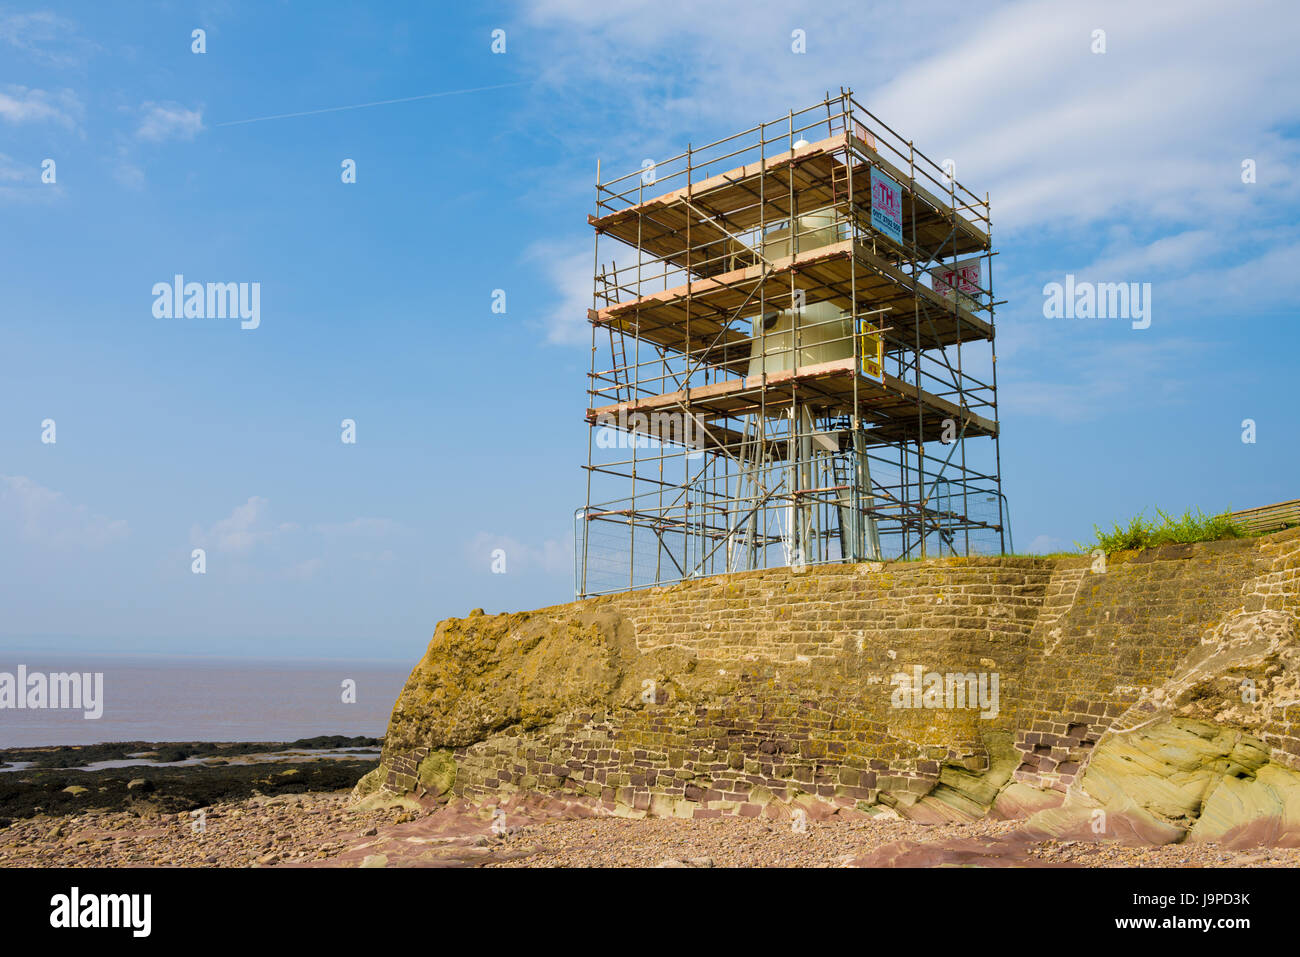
pixel 792 358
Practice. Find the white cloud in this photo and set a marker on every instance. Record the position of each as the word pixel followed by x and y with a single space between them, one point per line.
pixel 1126 260
pixel 1058 134
pixel 22 184
pixel 304 570
pixel 365 527
pixel 1148 137
pixel 129 175
pixel 1156 126
pixel 19 104
pixel 552 556
pixel 165 121
pixel 1094 375
pixel 45 517
pixel 36 34
pixel 249 530
pixel 11 172
pixel 1241 290
pixel 568 267
pixel 246 526
pixel 125 170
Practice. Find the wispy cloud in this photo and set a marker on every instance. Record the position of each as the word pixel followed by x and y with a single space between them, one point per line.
pixel 304 570
pixel 128 174
pixel 11 172
pixel 21 183
pixel 568 269
pixel 20 104
pixel 269 549
pixel 360 527
pixel 246 526
pixel 45 517
pixel 1141 141
pixel 1092 377
pixel 169 121
pixel 552 557
pixel 45 36
pixel 1156 125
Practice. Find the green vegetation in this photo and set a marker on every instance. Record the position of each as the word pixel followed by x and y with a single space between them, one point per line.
pixel 1142 532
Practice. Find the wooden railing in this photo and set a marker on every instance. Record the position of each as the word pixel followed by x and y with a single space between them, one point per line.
pixel 1270 518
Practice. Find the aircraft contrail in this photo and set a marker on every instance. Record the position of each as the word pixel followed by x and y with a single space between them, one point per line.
pixel 362 106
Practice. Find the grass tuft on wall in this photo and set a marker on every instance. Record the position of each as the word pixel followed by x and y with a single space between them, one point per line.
pixel 1166 529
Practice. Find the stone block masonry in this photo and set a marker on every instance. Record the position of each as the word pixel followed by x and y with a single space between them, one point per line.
pixel 765 692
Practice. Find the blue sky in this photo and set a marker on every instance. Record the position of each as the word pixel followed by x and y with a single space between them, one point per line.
pixel 1123 166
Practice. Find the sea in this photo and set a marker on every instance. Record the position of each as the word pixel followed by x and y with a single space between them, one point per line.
pixel 153 698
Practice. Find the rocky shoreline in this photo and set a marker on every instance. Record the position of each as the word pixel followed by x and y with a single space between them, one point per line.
pixel 300 805
pixel 145 779
pixel 334 829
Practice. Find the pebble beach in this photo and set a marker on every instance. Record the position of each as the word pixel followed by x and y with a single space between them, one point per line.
pixel 328 829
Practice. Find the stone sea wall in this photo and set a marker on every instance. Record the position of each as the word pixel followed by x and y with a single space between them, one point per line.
pixel 768 692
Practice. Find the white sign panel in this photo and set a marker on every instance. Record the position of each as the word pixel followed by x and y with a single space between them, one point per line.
pixel 958 279
pixel 886 206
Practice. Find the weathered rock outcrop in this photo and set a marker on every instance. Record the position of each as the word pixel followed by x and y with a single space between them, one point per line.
pixel 1190 760
pixel 1153 702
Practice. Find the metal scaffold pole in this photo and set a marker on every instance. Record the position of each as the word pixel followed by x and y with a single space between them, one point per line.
pixel 769 286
